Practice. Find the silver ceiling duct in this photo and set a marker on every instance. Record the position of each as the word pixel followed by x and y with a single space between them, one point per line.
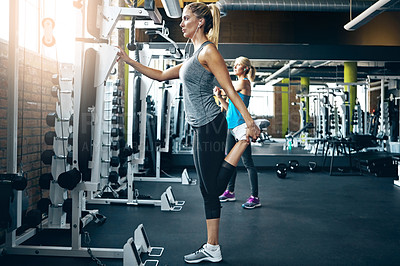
pixel 296 5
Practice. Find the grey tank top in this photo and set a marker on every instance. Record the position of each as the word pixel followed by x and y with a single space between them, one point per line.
pixel 198 87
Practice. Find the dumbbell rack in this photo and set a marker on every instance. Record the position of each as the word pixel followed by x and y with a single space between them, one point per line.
pixel 63 88
pixel 112 173
pixel 100 27
pixel 112 164
pixel 108 164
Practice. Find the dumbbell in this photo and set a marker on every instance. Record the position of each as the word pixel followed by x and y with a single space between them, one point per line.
pixel 122 159
pixel 123 170
pixel 18 181
pixel 45 180
pixel 71 139
pixel 51 119
pixel 126 151
pixel 69 179
pixel 114 145
pixel 113 177
pixel 118 144
pixel 55 91
pixel 117 132
pixel 117 92
pixel 116 101
pixel 312 166
pixel 114 132
pixel 281 170
pixel 48 155
pixel 115 161
pixel 293 165
pixel 43 205
pixel 117 110
pixel 49 137
pixel 117 120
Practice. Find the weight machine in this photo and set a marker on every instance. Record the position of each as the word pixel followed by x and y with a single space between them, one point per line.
pixel 136 127
pixel 388 82
pixel 103 60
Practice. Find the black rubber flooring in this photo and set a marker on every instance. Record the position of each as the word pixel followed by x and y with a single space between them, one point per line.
pixel 306 219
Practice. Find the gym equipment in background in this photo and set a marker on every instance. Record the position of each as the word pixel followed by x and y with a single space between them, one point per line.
pixel 87 159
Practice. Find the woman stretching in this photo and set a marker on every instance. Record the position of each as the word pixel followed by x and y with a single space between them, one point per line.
pixel 237 131
pixel 199 74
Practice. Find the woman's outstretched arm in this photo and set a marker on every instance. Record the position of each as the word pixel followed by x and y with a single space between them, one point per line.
pixel 159 75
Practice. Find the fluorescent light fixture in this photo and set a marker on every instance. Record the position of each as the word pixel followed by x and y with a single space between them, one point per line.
pixel 279 71
pixel 172 8
pixel 366 16
pixel 316 64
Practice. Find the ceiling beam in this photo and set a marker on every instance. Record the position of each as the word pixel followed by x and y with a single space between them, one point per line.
pixel 311 52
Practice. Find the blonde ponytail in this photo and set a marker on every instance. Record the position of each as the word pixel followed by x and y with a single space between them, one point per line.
pixel 213 34
pixel 251 74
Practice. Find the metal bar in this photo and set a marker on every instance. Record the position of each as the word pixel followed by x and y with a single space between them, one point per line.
pixel 134 12
pixel 12 109
pixel 382 103
pixel 65 251
pixel 124 201
pixel 384 77
pixel 311 52
pixel 77 196
pixel 301 52
pixel 139 24
pixel 158 179
pixel 25 236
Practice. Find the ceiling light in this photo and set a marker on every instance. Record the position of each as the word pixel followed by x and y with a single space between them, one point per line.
pixel 366 16
pixel 279 71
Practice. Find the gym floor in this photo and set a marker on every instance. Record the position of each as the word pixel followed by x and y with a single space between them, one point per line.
pixel 305 219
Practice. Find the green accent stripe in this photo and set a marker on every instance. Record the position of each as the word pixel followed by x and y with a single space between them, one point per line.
pixel 350 76
pixel 285 107
pixel 305 86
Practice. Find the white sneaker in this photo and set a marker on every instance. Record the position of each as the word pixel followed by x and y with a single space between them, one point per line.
pixel 203 254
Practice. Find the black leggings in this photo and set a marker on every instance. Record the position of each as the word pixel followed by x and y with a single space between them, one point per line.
pixel 208 154
pixel 248 163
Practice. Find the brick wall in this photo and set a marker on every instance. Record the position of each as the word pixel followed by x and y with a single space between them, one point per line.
pixel 275 129
pixel 34 103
